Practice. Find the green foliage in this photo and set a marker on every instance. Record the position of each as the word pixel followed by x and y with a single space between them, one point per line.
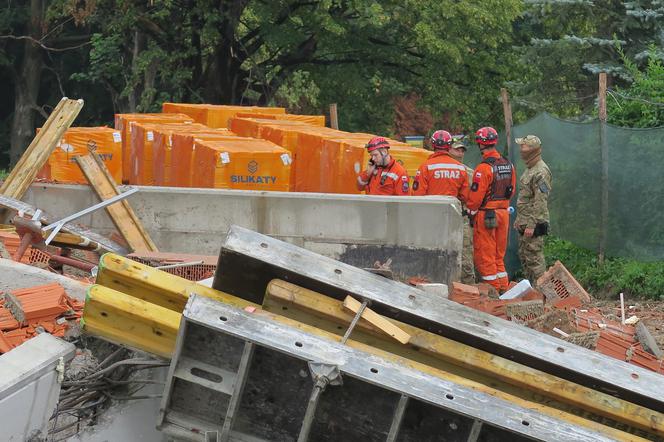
pixel 641 104
pixel 3 174
pixel 615 275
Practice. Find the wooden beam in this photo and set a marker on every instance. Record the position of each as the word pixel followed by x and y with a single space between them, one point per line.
pixel 374 318
pixel 334 120
pixel 41 147
pixel 121 213
pixel 604 150
pixel 437 351
pixel 507 112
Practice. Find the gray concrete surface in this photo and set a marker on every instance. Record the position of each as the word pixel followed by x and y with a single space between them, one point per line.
pixel 14 275
pixel 422 235
pixel 30 386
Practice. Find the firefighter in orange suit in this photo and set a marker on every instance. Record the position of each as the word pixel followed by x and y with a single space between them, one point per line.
pixel 441 174
pixel 383 175
pixel 493 184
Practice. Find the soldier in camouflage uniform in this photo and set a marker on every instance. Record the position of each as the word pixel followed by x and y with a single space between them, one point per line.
pixel 457 152
pixel 532 220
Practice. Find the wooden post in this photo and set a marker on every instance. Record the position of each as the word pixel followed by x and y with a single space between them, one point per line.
pixel 334 121
pixel 604 214
pixel 507 111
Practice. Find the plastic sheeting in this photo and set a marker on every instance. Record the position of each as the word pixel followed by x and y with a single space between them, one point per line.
pixel 246 165
pixel 216 116
pixel 106 142
pixel 313 120
pixel 142 153
pixel 123 124
pixel 182 153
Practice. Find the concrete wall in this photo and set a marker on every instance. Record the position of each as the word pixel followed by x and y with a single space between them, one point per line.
pixel 422 235
pixel 29 386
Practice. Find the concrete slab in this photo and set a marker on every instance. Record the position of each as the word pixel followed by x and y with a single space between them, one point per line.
pixel 422 235
pixel 30 386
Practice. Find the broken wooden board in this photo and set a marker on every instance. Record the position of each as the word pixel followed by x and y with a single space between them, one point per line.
pixel 374 318
pixel 87 238
pixel 41 147
pixel 121 213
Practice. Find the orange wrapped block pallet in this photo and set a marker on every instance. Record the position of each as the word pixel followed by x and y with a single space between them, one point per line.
pixel 123 124
pixel 76 141
pixel 214 115
pixel 182 153
pixel 257 165
pixel 313 120
pixel 141 148
pixel 162 147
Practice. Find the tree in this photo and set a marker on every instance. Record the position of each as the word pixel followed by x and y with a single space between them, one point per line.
pixel 35 35
pixel 566 43
pixel 641 104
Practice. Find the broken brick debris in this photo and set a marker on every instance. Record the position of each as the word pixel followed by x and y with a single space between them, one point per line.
pixel 558 304
pixel 27 312
pixel 193 272
pixel 11 241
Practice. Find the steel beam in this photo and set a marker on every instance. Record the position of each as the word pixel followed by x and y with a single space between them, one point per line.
pixel 380 372
pixel 245 252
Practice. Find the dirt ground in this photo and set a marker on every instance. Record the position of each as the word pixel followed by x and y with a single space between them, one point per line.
pixel 649 311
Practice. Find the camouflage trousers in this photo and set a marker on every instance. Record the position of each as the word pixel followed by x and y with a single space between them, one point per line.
pixel 531 255
pixel 467 264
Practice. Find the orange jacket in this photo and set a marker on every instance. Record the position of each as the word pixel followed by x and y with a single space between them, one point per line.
pixel 441 174
pixel 389 180
pixel 481 185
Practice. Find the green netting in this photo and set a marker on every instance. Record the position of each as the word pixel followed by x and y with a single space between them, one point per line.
pixel 635 226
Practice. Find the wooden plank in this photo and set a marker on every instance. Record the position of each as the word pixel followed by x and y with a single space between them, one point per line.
pixel 647 341
pixel 41 147
pixel 374 318
pixel 121 213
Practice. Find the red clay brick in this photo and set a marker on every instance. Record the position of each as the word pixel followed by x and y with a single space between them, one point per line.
pixel 568 303
pixel 558 282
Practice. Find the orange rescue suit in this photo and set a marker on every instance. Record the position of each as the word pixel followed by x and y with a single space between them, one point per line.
pixel 489 244
pixel 389 180
pixel 441 174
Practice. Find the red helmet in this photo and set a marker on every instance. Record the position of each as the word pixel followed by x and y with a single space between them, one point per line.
pixel 486 136
pixel 441 139
pixel 377 143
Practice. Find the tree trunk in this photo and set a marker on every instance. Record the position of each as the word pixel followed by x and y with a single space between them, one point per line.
pixel 28 78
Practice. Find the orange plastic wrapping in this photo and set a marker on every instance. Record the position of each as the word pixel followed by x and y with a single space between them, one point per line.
pixel 162 147
pixel 214 115
pixel 123 124
pixel 182 153
pixel 76 141
pixel 141 150
pixel 313 120
pixel 247 165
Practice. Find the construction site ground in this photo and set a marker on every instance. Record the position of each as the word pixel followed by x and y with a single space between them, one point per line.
pixel 647 310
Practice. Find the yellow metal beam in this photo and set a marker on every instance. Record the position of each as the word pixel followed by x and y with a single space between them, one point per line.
pixel 155 286
pixel 286 299
pixel 130 321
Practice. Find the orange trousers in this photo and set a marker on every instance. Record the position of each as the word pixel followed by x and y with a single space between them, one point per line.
pixel 489 247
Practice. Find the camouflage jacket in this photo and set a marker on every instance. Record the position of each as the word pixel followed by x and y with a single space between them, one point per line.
pixel 534 190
